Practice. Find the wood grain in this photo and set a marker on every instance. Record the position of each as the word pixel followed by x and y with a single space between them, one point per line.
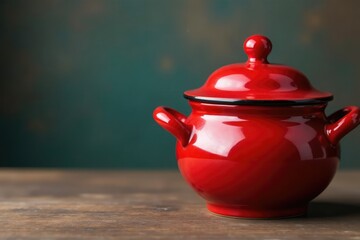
pixel 59 204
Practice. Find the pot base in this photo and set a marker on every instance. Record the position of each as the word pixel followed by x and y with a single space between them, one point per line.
pixel 244 212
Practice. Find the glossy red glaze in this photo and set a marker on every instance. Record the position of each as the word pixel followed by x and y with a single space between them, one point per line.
pixel 173 121
pixel 258 161
pixel 257 79
pixel 257 48
pixel 342 122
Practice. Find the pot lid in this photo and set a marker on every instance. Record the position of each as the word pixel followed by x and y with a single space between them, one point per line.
pixel 257 82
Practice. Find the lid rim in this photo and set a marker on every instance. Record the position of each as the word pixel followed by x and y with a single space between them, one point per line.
pixel 253 102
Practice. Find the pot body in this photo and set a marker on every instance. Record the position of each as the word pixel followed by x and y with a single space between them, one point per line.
pixel 257 161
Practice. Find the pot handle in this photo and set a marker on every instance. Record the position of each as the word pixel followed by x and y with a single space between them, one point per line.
pixel 174 122
pixel 341 123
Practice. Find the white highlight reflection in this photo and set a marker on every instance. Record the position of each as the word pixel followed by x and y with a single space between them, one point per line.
pixel 233 82
pixel 222 140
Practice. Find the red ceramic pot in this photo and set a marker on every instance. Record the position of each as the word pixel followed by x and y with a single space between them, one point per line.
pixel 257 143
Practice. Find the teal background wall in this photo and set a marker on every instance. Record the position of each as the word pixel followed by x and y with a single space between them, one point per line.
pixel 80 79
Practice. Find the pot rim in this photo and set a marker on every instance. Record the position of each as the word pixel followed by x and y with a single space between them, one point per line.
pixel 231 101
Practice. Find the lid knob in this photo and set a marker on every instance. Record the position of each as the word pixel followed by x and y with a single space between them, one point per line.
pixel 257 47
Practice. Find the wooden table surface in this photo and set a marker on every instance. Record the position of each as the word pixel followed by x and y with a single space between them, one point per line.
pixel 62 204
